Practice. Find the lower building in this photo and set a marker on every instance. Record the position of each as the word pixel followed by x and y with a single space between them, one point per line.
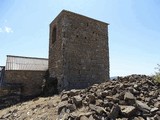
pixel 27 71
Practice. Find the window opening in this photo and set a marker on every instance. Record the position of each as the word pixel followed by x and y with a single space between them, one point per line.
pixel 54 35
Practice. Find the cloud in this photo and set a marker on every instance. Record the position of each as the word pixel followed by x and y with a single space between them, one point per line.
pixel 1 30
pixel 6 29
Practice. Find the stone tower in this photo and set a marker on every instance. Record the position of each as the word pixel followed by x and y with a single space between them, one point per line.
pixel 78 51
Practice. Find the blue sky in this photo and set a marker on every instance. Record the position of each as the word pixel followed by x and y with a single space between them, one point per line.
pixel 134 30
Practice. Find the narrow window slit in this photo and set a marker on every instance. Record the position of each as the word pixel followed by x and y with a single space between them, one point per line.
pixel 54 35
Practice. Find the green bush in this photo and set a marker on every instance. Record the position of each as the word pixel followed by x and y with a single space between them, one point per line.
pixel 157 74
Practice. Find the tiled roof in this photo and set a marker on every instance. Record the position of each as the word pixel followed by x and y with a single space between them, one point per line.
pixel 26 63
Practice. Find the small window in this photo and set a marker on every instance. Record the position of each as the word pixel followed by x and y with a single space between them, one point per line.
pixel 54 35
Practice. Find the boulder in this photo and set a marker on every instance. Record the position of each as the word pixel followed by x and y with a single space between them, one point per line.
pixel 97 109
pixel 115 112
pixel 84 118
pixel 128 111
pixel 129 96
pixel 62 105
pixel 64 97
pixel 77 100
pixel 142 106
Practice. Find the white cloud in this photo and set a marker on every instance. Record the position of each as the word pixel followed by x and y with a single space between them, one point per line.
pixel 8 29
pixel 1 30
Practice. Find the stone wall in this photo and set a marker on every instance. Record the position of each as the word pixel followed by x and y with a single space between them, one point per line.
pixel 79 57
pixel 56 50
pixel 31 80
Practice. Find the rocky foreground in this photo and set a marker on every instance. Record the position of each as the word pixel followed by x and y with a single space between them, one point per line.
pixel 135 97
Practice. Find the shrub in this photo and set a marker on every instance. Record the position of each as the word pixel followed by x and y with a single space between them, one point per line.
pixel 157 74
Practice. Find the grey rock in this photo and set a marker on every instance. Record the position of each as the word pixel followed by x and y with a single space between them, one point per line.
pixel 139 118
pixel 91 98
pixel 107 104
pixel 157 117
pixel 142 106
pixel 6 115
pixel 73 92
pixel 84 118
pixel 65 116
pixel 154 109
pixel 71 107
pixel 105 93
pixel 135 86
pixel 87 114
pixel 157 104
pixel 128 111
pixel 77 100
pixel 97 109
pixel 91 117
pixel 158 112
pixel 64 97
pixel 62 105
pixel 129 96
pixel 99 102
pixel 114 112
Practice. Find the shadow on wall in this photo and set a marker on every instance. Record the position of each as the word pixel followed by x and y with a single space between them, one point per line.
pixel 10 94
pixel 49 86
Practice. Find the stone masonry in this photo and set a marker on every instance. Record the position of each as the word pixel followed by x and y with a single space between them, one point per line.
pixel 78 51
pixel 31 80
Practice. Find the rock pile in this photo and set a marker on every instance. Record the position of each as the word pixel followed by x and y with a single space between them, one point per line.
pixel 41 108
pixel 135 97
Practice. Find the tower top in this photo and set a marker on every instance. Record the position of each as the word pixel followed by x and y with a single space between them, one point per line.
pixel 68 13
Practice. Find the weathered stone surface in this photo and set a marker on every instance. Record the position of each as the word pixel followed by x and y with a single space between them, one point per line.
pixel 64 97
pixel 65 116
pixel 72 92
pixel 157 104
pixel 157 117
pixel 71 107
pixel 77 100
pixel 91 98
pixel 86 114
pixel 99 102
pixel 78 51
pixel 97 109
pixel 154 109
pixel 84 118
pixel 128 111
pixel 62 105
pixel 91 117
pixel 139 118
pixel 31 80
pixel 115 111
pixel 129 96
pixel 142 106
